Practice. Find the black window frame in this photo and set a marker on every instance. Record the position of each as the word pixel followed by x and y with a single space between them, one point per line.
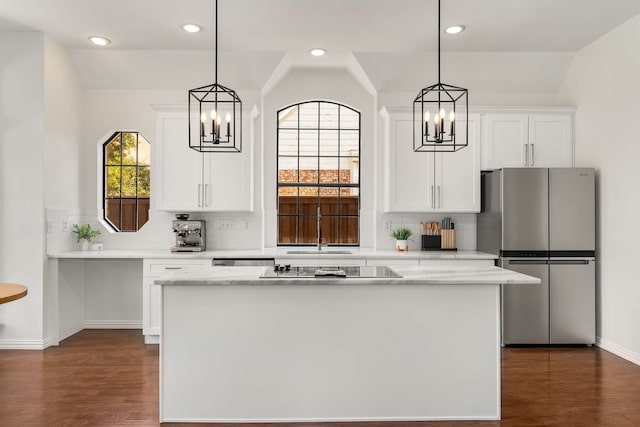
pixel 339 186
pixel 106 165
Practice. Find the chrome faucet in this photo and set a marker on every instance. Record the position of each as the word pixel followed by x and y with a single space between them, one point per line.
pixel 319 231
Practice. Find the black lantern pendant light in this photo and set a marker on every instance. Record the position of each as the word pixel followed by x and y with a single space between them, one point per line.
pixel 215 114
pixel 440 122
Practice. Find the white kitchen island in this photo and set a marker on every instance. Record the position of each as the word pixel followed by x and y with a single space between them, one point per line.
pixel 237 348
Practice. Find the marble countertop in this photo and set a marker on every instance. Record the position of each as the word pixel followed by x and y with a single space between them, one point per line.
pixel 411 275
pixel 280 253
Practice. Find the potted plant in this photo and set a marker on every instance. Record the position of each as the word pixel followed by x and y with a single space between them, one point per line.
pixel 401 235
pixel 84 235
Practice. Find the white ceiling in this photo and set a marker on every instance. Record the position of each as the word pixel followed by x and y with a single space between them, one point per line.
pixel 258 33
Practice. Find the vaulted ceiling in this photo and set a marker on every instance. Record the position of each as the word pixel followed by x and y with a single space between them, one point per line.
pixel 531 41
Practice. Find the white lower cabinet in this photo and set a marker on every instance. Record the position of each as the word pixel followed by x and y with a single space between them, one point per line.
pixel 151 304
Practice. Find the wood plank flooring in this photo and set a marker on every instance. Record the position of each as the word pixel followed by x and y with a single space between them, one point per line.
pixel 110 378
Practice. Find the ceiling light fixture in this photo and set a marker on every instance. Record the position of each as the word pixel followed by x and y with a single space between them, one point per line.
pixel 207 106
pixel 192 28
pixel 454 29
pixel 99 41
pixel 318 51
pixel 440 102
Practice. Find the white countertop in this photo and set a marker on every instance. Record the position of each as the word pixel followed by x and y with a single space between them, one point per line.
pixel 411 275
pixel 273 253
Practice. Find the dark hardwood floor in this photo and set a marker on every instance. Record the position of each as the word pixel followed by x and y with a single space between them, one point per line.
pixel 110 378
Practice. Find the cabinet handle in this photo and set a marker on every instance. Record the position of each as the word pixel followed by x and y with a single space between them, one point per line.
pixel 439 198
pixel 532 155
pixel 173 268
pixel 433 197
pixel 526 154
pixel 206 190
pixel 199 195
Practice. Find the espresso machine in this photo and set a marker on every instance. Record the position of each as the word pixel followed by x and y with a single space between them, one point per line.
pixel 190 234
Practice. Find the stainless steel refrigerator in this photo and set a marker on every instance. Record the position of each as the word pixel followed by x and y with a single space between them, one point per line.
pixel 541 222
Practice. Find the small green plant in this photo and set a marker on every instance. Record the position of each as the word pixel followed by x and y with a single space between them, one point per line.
pixel 401 234
pixel 84 232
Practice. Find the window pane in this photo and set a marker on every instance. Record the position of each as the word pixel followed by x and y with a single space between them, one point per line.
pixel 349 143
pixel 128 219
pixel 112 211
pixel 288 118
pixel 308 204
pixel 308 229
pixel 349 230
pixel 349 119
pixel 349 173
pixel 308 142
pixel 144 181
pixel 112 151
pixel 329 170
pixel 112 182
pixel 328 116
pixel 144 151
pixel 287 169
pixel 349 201
pixel 327 191
pixel 328 143
pixel 329 229
pixel 287 201
pixel 309 176
pixel 129 181
pixel 309 115
pixel 129 148
pixel 287 229
pixel 288 142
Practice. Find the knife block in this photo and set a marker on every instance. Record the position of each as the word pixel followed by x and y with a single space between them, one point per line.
pixel 431 243
pixel 449 239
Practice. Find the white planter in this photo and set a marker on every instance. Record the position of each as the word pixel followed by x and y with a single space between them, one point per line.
pixel 401 245
pixel 84 245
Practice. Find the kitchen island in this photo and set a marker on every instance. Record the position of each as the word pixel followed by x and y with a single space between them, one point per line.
pixel 235 347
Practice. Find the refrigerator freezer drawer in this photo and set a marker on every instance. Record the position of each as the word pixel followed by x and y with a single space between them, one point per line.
pixel 572 302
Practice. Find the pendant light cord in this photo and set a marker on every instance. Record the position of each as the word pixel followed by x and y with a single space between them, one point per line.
pixel 216 34
pixel 439 81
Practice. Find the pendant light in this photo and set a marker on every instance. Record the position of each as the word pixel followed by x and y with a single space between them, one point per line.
pixel 440 122
pixel 215 114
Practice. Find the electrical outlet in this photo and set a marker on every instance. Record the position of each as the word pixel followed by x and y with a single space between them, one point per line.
pixel 50 226
pixel 65 225
pixel 226 225
pixel 386 226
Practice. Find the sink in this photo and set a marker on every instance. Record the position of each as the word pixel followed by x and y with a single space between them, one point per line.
pixel 317 252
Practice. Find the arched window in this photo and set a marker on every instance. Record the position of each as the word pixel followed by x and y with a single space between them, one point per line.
pixel 126 181
pixel 318 150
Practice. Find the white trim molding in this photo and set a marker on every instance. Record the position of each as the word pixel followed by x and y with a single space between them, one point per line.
pixel 25 344
pixel 112 324
pixel 618 350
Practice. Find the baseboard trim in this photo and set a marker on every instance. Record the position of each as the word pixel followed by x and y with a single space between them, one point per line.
pixel 112 324
pixel 618 350
pixel 25 344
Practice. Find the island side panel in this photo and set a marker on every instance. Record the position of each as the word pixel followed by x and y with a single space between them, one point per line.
pixel 318 352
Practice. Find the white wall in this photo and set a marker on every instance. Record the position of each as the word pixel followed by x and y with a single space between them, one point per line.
pixel 604 83
pixel 21 185
pixel 332 84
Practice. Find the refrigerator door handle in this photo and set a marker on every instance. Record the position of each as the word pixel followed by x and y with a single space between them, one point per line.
pixel 533 162
pixel 569 262
pixel 433 197
pixel 526 154
pixel 528 261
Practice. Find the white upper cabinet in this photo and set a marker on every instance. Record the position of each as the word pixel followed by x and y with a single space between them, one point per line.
pixel 428 182
pixel 192 181
pixel 527 140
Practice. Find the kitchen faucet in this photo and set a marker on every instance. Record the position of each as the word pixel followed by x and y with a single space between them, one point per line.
pixel 318 233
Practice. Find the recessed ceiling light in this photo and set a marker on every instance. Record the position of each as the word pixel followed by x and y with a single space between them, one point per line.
pixel 454 29
pixel 317 51
pixel 192 28
pixel 99 41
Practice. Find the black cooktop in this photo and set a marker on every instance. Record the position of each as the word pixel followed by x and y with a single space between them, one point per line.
pixel 311 272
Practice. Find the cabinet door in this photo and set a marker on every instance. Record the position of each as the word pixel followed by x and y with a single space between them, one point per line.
pixel 228 177
pixel 179 175
pixel 550 140
pixel 409 185
pixel 458 175
pixel 505 141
